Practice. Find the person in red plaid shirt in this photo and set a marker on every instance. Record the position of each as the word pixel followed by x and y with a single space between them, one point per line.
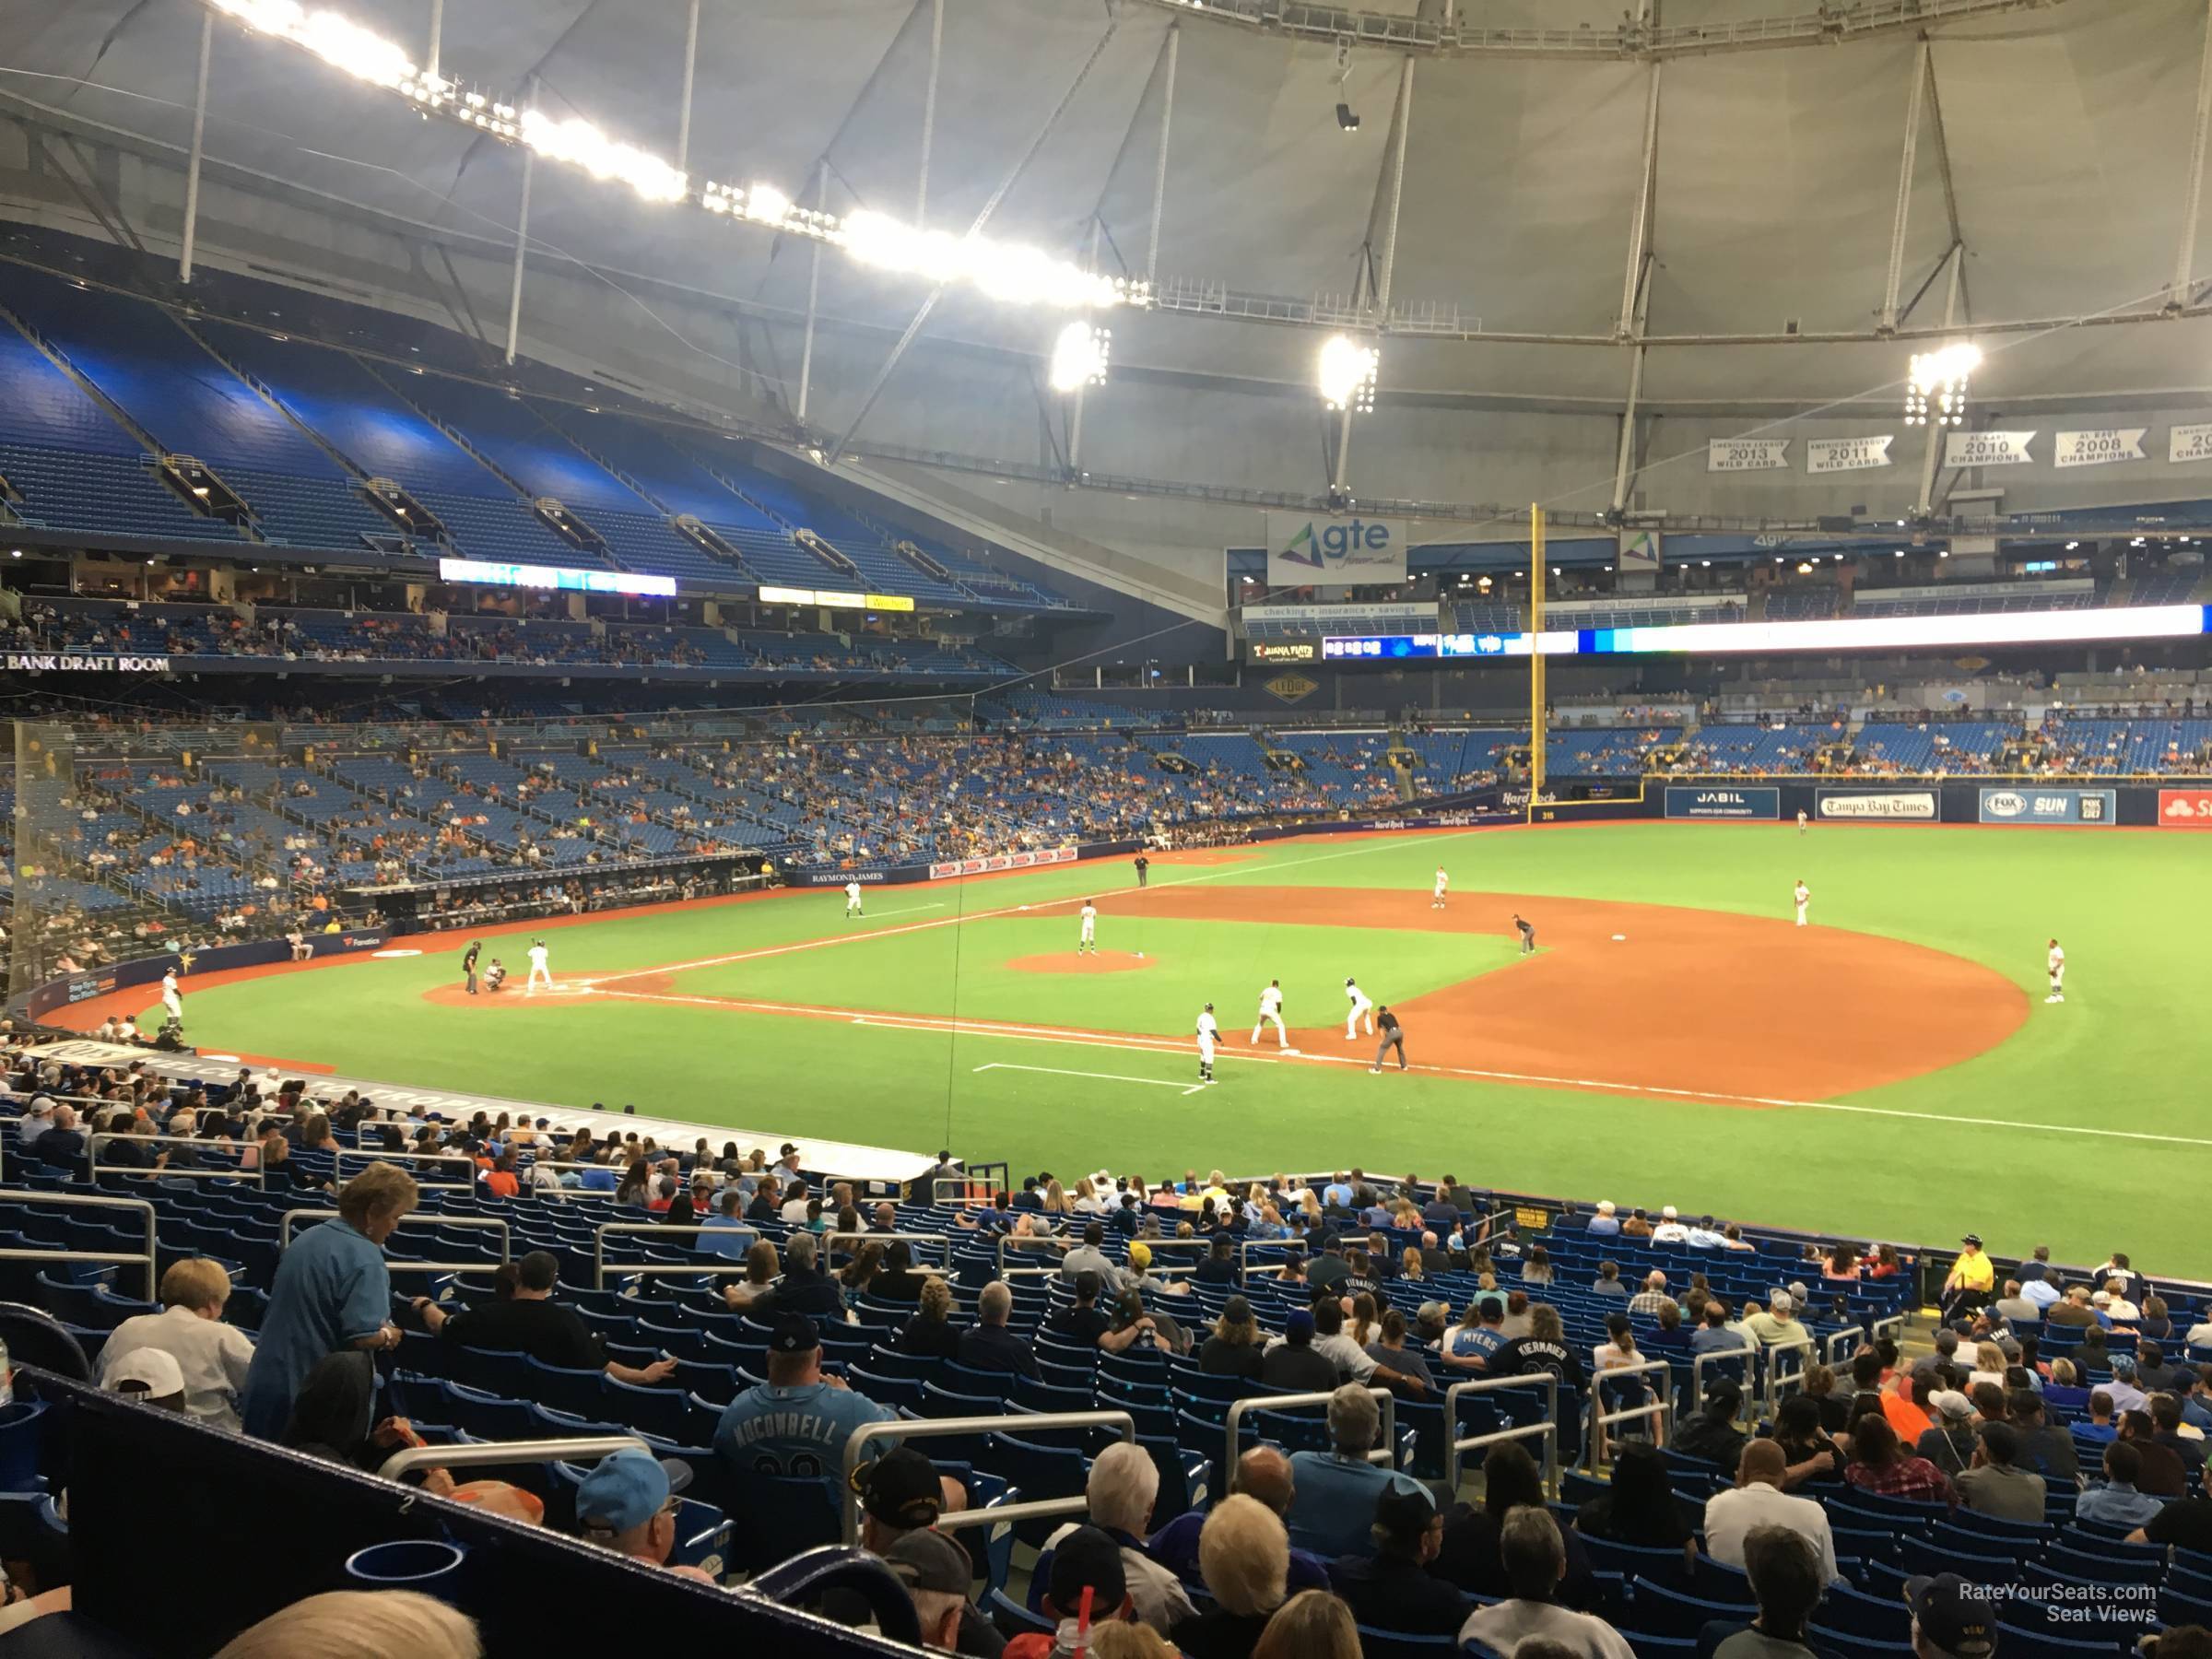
pixel 1879 1463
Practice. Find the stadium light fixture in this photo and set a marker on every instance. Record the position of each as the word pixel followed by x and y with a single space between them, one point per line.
pixel 1935 384
pixel 1079 356
pixel 1007 271
pixel 1348 374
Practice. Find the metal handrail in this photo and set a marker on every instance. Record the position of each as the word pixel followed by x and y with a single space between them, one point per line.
pixel 1548 1428
pixel 883 1238
pixel 508 1452
pixel 89 1201
pixel 1746 1356
pixel 936 1427
pixel 1663 1408
pixel 257 1174
pixel 599 1263
pixel 1774 1378
pixel 1386 1453
pixel 1062 1241
pixel 1246 1246
pixel 405 1160
pixel 284 1239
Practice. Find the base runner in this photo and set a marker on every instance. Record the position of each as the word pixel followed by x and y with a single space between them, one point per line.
pixel 1210 1032
pixel 1271 1013
pixel 2055 964
pixel 1360 1006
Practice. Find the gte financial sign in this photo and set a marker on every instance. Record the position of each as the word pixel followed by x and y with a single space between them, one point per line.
pixel 1350 550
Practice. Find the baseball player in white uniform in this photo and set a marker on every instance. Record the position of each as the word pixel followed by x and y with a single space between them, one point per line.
pixel 172 1000
pixel 1801 821
pixel 1360 1006
pixel 539 970
pixel 1089 940
pixel 1271 1013
pixel 1436 899
pixel 2056 964
pixel 853 899
pixel 1804 895
pixel 1210 1032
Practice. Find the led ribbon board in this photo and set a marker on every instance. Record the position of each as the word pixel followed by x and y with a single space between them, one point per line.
pixel 1782 639
pixel 1877 633
pixel 554 576
pixel 1389 648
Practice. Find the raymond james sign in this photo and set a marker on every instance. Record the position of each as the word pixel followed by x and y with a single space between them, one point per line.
pixel 70 662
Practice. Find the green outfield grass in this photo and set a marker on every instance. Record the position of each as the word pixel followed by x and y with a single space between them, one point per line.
pixel 2128 1056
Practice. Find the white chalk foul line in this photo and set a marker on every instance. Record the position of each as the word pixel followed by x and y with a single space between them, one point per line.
pixel 1009 909
pixel 1150 1045
pixel 1188 1089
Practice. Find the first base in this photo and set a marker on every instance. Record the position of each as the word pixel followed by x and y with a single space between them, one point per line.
pixel 1619 938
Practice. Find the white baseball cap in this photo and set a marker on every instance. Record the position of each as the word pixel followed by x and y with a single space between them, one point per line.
pixel 1605 1207
pixel 1667 1214
pixel 154 1370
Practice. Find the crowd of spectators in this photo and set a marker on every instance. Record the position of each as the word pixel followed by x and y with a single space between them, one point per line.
pixel 1300 1550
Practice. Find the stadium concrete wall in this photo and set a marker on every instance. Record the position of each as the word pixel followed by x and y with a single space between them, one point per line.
pixel 1986 802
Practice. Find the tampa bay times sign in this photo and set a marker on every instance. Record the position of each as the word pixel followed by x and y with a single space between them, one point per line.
pixel 69 662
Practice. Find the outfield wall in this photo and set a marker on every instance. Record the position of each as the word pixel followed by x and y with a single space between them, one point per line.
pixel 72 988
pixel 1996 803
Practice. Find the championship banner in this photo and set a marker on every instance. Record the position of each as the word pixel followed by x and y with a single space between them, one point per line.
pixel 1846 454
pixel 2098 449
pixel 1639 550
pixel 2189 443
pixel 1748 455
pixel 1308 552
pixel 1987 449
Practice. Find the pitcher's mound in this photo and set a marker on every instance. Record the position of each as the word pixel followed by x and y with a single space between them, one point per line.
pixel 1106 961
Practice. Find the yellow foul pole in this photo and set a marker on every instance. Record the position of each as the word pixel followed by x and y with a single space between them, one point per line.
pixel 1535 660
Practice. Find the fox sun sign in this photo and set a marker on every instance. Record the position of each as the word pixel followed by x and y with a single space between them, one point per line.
pixel 1309 552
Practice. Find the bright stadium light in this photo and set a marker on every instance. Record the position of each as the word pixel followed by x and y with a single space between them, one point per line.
pixel 578 141
pixel 1008 271
pixel 1936 386
pixel 1079 357
pixel 1348 374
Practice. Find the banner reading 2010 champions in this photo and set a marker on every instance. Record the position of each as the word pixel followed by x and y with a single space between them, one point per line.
pixel 1314 550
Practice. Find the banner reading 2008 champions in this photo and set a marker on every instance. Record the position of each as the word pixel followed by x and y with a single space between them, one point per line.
pixel 1311 550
